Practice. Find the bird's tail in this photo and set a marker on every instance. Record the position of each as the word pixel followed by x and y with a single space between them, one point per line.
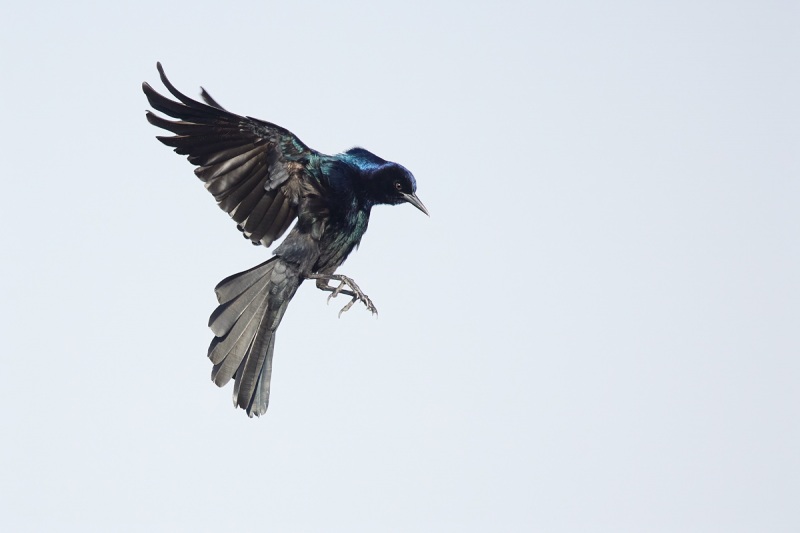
pixel 251 305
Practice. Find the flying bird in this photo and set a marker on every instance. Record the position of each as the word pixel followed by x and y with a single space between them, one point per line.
pixel 265 178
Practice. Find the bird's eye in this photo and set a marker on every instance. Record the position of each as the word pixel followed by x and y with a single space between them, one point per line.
pixel 398 185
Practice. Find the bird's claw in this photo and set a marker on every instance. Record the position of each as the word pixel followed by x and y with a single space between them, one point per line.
pixel 358 295
pixel 337 290
pixel 347 287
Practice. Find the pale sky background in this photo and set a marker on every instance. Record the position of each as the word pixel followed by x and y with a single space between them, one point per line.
pixel 597 329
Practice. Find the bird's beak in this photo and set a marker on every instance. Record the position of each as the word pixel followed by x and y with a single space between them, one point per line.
pixel 413 200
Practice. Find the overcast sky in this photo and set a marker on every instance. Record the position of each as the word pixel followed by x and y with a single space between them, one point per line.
pixel 595 331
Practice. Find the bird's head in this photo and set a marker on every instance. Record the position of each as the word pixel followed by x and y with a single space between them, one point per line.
pixel 387 182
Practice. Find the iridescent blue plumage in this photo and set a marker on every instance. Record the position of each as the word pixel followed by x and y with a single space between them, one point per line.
pixel 363 159
pixel 265 178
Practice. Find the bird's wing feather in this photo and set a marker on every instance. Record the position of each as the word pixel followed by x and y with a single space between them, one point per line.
pixel 257 171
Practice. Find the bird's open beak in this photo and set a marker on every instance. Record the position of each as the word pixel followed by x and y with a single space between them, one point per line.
pixel 413 200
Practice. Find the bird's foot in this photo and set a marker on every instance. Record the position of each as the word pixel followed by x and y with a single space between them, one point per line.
pixel 348 287
pixel 357 295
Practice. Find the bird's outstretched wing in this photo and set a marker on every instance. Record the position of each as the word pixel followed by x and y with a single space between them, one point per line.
pixel 258 172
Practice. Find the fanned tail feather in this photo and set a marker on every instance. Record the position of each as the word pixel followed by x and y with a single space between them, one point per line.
pixel 252 304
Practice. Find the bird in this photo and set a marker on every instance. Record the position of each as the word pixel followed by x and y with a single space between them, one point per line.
pixel 266 178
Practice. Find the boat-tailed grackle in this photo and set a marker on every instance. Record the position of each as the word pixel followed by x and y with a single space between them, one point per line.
pixel 265 178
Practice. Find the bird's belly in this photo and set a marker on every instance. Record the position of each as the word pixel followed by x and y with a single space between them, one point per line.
pixel 337 243
pixel 332 256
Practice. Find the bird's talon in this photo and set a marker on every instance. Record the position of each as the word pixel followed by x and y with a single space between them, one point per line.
pixel 348 306
pixel 350 288
pixel 337 290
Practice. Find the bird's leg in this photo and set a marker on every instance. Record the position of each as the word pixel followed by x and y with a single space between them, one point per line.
pixel 355 292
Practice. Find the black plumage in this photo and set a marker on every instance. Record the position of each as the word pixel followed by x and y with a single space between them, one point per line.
pixel 265 178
